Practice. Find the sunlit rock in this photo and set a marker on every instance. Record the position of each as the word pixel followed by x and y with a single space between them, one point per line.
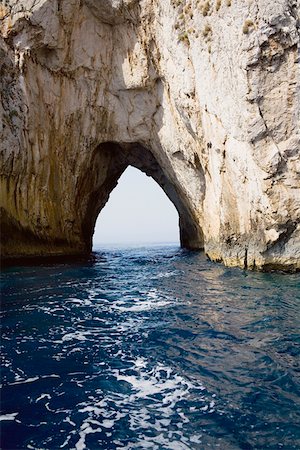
pixel 202 96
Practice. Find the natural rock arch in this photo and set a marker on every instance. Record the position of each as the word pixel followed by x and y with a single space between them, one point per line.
pixel 89 86
pixel 99 174
pixel 118 157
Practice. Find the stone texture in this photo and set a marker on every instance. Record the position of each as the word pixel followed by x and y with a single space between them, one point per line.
pixel 201 95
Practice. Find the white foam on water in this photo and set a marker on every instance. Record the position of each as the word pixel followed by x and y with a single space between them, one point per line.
pixel 140 362
pixel 183 417
pixel 85 429
pixel 43 396
pixel 196 438
pixel 11 416
pixel 48 408
pixel 52 375
pixel 167 274
pixel 153 300
pixel 146 386
pixel 76 335
pixel 74 300
pixel 91 409
pixel 74 350
pixel 66 442
pixel 130 324
pixel 33 425
pixel 94 422
pixel 108 423
pixel 146 305
pixel 158 442
pixel 19 377
pixel 68 420
pixel 99 319
pixel 23 381
pixel 149 407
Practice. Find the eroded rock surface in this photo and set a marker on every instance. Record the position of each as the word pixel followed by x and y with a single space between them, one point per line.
pixel 201 95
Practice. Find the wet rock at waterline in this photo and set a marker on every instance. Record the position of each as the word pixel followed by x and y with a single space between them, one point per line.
pixel 202 96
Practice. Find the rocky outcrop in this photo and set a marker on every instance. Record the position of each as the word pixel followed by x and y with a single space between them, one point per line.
pixel 201 95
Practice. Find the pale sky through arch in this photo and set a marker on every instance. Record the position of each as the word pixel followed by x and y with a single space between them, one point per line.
pixel 138 211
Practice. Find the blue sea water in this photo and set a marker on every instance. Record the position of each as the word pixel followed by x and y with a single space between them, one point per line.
pixel 149 348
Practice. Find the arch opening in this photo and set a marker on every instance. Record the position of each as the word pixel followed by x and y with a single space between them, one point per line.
pixel 138 212
pixel 108 162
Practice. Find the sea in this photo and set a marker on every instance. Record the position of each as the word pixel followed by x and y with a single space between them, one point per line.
pixel 149 347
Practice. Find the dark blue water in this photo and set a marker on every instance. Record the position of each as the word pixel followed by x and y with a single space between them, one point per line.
pixel 149 348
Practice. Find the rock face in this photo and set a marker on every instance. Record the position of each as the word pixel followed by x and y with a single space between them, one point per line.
pixel 201 95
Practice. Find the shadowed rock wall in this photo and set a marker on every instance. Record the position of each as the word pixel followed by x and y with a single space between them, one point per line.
pixel 201 95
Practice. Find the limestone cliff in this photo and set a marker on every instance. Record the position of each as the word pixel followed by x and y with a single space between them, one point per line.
pixel 201 95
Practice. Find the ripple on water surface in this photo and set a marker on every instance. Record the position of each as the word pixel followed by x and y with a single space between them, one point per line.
pixel 149 348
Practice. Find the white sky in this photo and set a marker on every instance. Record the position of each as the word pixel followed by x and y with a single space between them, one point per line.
pixel 138 211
